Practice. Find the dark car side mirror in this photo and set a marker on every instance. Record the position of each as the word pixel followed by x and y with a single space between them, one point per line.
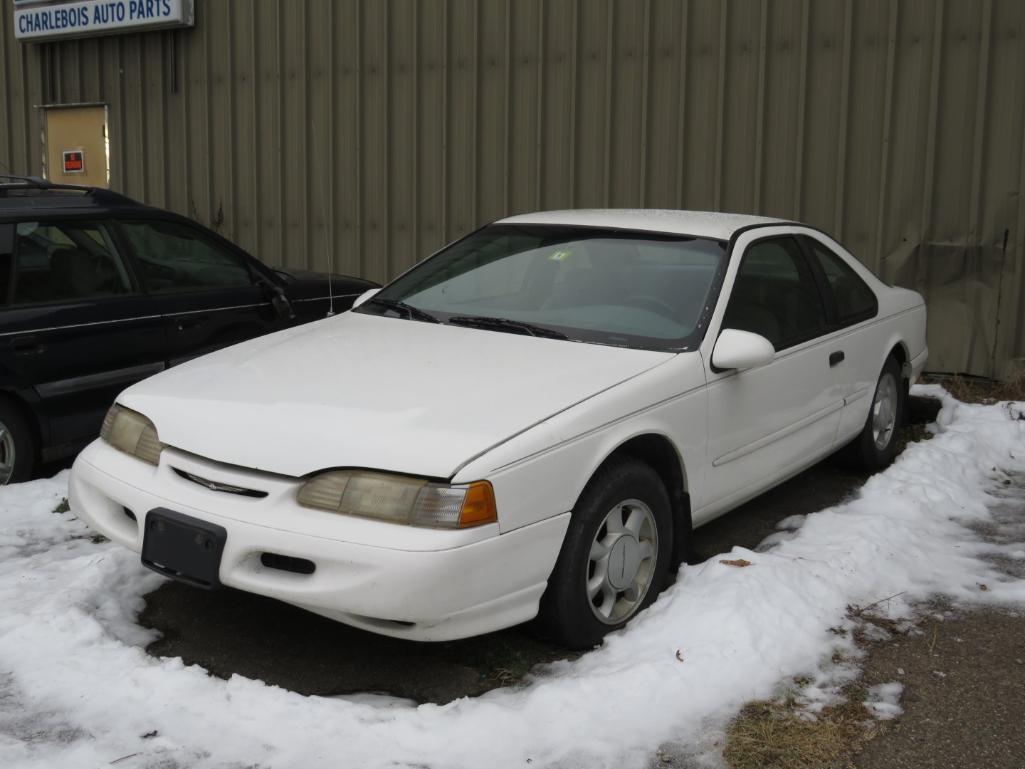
pixel 281 304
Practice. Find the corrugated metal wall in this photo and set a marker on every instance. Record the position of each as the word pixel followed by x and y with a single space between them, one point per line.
pixel 363 135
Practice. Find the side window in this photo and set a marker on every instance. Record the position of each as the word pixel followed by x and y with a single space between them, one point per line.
pixel 6 257
pixel 174 257
pixel 775 295
pixel 56 262
pixel 855 301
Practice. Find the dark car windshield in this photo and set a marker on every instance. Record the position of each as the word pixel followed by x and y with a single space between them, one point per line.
pixel 630 289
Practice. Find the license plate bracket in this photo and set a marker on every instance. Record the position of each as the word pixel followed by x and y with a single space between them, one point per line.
pixel 183 548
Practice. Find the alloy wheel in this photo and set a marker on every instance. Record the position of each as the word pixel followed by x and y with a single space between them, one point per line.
pixel 884 411
pixel 7 454
pixel 621 562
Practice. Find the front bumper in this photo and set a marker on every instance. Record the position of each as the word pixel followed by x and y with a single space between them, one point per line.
pixel 421 584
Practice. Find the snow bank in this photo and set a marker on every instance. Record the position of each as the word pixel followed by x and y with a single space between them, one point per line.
pixel 77 689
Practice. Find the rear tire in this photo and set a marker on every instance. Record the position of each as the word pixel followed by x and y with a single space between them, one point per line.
pixel 615 558
pixel 17 445
pixel 876 447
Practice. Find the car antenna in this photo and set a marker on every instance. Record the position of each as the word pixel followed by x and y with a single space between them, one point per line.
pixel 331 266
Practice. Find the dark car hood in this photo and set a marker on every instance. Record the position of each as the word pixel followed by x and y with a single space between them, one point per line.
pixel 307 284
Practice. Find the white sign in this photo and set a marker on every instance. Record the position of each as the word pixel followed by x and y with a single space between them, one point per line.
pixel 34 20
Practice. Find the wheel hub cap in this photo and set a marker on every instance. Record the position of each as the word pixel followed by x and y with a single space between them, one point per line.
pixel 621 564
pixel 624 561
pixel 884 412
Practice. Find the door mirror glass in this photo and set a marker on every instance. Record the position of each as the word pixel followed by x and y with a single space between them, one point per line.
pixel 364 297
pixel 736 349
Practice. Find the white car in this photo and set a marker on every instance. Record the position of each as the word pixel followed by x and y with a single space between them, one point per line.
pixel 528 423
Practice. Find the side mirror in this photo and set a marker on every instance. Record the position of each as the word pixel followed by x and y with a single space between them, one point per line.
pixel 736 349
pixel 282 307
pixel 364 296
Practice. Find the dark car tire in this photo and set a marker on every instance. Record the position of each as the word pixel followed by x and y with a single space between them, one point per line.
pixel 631 567
pixel 17 439
pixel 876 447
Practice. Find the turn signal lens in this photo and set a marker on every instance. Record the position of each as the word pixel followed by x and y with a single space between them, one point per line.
pixel 131 432
pixel 479 506
pixel 400 499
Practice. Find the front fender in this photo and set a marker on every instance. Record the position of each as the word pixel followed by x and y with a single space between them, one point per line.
pixel 541 472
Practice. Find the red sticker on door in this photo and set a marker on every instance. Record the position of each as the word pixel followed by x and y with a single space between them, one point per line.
pixel 74 162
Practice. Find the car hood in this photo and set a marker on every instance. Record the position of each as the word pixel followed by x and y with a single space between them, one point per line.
pixel 375 392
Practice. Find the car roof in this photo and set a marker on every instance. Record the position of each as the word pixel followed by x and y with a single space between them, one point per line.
pixel 21 193
pixel 701 224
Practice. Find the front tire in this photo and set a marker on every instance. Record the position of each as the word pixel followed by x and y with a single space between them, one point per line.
pixel 615 559
pixel 17 445
pixel 876 447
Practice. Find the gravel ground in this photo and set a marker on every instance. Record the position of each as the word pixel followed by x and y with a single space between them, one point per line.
pixel 964 695
pixel 963 676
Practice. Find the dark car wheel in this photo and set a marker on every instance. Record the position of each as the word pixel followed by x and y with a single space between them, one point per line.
pixel 615 559
pixel 876 447
pixel 17 446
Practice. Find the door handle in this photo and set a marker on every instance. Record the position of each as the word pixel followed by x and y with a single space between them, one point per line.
pixel 27 345
pixel 835 358
pixel 183 324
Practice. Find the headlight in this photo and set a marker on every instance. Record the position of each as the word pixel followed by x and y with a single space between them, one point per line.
pixel 130 432
pixel 399 499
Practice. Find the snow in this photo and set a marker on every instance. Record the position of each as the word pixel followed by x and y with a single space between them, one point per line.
pixel 78 690
pixel 884 700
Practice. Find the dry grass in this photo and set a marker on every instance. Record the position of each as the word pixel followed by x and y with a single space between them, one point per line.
pixel 780 735
pixel 971 389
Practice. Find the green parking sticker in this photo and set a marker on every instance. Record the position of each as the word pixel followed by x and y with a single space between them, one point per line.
pixel 559 256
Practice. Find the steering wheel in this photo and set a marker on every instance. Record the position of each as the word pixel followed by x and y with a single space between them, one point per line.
pixel 652 303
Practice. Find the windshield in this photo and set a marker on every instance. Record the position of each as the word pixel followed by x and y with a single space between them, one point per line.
pixel 630 289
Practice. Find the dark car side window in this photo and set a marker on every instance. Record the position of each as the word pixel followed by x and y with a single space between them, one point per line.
pixel 854 300
pixel 775 295
pixel 174 257
pixel 62 261
pixel 6 256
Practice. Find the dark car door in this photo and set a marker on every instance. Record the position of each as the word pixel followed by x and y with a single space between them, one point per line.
pixel 209 294
pixel 76 328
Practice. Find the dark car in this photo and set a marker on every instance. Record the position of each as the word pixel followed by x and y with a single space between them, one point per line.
pixel 98 291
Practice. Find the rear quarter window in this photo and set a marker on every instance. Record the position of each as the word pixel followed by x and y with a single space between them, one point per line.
pixel 853 299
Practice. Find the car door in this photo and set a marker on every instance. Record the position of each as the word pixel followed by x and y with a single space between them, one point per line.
pixel 769 422
pixel 76 328
pixel 209 294
pixel 851 306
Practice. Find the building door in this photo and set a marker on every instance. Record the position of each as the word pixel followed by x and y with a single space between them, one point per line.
pixel 76 145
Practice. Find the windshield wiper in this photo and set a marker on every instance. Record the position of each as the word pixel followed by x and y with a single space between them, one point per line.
pixel 505 324
pixel 413 313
